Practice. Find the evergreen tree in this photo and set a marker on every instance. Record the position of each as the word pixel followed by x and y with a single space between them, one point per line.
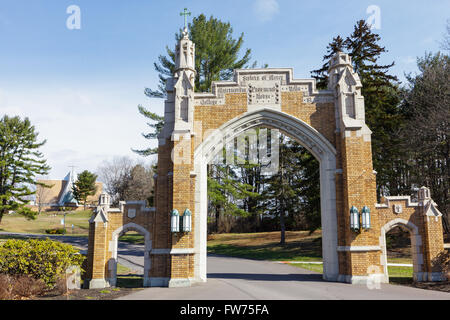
pixel 84 187
pixel 321 75
pixel 20 162
pixel 216 56
pixel 382 99
pixel 309 187
pixel 225 191
pixel 295 189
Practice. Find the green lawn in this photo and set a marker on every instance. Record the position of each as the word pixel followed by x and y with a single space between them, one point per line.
pixel 47 220
pixel 133 238
pixel 300 246
pixel 127 280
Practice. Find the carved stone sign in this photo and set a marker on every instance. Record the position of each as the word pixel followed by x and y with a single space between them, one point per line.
pixel 263 88
pixel 131 213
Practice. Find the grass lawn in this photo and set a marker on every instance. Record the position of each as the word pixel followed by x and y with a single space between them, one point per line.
pixel 300 246
pixel 47 220
pixel 133 238
pixel 125 279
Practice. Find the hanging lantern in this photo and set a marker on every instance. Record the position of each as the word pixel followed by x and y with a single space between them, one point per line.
pixel 187 221
pixel 175 221
pixel 354 219
pixel 365 217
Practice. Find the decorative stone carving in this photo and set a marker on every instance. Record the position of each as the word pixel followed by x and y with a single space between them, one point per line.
pixel 131 213
pixel 263 88
pixel 398 208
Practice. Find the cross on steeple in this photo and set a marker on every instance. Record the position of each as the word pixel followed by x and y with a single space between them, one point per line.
pixel 185 14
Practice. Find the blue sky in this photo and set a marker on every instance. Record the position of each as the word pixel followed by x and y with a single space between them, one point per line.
pixel 81 87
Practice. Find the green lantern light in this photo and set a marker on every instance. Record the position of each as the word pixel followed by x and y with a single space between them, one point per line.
pixel 354 219
pixel 365 217
pixel 187 221
pixel 175 221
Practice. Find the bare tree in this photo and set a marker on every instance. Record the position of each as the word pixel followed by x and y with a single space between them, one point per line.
pixel 445 44
pixel 126 179
pixel 114 174
pixel 43 195
pixel 425 136
pixel 139 186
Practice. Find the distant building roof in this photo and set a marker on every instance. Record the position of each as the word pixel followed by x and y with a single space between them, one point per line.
pixel 60 192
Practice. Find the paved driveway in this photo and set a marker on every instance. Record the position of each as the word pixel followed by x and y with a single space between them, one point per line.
pixel 241 279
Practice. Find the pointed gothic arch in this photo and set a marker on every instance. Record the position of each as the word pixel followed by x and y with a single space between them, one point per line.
pixel 303 133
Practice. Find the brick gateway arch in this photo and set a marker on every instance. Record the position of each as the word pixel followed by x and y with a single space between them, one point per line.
pixel 329 123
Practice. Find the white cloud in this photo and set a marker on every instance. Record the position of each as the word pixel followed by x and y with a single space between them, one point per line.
pixel 266 9
pixel 408 60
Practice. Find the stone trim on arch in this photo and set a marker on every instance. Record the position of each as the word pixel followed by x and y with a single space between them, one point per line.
pixel 310 138
pixel 416 247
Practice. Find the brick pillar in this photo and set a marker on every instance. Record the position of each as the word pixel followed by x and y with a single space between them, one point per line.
pixel 360 253
pixel 97 263
pixel 161 242
pixel 433 237
pixel 181 270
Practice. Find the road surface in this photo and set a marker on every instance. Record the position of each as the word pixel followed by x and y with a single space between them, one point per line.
pixel 241 279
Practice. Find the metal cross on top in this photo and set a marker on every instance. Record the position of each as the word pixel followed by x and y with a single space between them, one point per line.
pixel 185 14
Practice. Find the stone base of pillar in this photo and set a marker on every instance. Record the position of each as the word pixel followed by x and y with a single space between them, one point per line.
pixel 98 284
pixel 179 283
pixel 429 276
pixel 158 282
pixel 371 280
pixel 331 278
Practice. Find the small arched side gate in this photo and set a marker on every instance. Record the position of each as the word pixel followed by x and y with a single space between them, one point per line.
pixel 424 222
pixel 113 248
pixel 106 226
pixel 329 123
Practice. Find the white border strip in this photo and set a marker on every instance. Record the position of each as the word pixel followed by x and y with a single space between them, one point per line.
pixel 359 248
pixel 172 251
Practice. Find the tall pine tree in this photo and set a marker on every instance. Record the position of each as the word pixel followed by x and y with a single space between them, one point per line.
pixel 84 187
pixel 20 163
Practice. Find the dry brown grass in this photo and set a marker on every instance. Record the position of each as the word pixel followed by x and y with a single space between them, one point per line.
pixel 20 287
pixel 299 246
pixel 261 239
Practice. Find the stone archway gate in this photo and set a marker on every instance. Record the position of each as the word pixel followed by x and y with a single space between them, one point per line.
pixel 329 123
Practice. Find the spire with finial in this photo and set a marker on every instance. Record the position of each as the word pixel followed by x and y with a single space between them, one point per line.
pixel 185 13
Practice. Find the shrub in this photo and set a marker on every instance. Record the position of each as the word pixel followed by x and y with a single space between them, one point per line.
pixel 40 259
pixel 6 287
pixel 55 231
pixel 19 287
pixel 27 286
